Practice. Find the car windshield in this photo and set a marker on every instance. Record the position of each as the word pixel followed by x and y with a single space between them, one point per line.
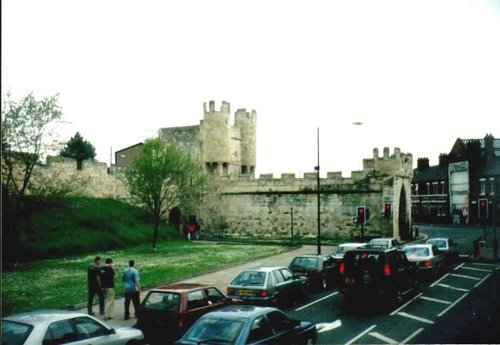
pixel 249 278
pixel 379 242
pixel 416 251
pixel 438 243
pixel 162 300
pixel 361 257
pixel 216 331
pixel 15 333
pixel 305 262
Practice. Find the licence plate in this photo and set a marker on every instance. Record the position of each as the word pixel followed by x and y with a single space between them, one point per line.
pixel 245 292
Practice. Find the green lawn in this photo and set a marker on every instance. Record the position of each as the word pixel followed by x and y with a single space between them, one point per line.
pixel 61 283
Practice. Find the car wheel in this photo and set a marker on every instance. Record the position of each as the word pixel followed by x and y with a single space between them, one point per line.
pixel 309 341
pixel 398 296
pixel 324 283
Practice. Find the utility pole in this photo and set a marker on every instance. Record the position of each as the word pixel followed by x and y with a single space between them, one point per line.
pixel 319 202
pixel 291 225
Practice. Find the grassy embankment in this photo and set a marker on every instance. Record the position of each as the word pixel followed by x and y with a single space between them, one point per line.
pixel 71 234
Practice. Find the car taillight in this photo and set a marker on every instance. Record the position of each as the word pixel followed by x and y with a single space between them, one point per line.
pixel 387 270
pixel 317 272
pixel 263 293
pixel 230 291
pixel 342 268
pixel 427 263
pixel 181 323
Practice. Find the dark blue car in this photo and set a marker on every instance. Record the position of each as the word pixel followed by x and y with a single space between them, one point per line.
pixel 246 324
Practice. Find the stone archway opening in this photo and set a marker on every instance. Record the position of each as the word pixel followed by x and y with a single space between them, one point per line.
pixel 404 219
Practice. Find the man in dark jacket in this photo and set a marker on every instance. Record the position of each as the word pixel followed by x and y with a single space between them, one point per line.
pixel 108 286
pixel 94 286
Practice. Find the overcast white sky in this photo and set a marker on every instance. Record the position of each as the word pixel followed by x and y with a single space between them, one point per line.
pixel 418 74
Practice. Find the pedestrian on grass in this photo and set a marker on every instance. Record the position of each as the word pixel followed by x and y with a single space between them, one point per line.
pixel 132 288
pixel 108 287
pixel 94 286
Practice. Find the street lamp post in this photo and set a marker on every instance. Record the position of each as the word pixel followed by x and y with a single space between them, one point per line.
pixel 291 225
pixel 318 239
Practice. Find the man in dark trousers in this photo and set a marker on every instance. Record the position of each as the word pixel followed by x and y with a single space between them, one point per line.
pixel 94 285
pixel 108 286
pixel 132 288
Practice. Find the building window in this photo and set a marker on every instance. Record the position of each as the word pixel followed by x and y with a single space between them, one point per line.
pixel 442 188
pixel 244 169
pixel 435 188
pixel 428 188
pixel 482 186
pixel 225 168
pixel 414 189
pixel 491 186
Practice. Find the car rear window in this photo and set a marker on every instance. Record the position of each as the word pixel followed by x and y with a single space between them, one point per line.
pixel 159 300
pixel 214 331
pixel 438 243
pixel 305 262
pixel 416 251
pixel 250 278
pixel 15 333
pixel 353 258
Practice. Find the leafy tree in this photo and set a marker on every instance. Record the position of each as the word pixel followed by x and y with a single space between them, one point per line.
pixel 26 137
pixel 163 177
pixel 26 134
pixel 78 149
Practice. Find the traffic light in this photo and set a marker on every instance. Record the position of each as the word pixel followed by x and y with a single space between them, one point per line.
pixel 387 211
pixel 482 208
pixel 361 215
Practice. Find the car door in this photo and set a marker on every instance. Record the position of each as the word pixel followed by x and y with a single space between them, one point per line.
pixel 261 332
pixel 282 328
pixel 89 331
pixel 197 305
pixel 291 284
pixel 438 257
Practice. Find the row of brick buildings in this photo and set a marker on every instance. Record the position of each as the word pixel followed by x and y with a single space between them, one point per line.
pixel 464 179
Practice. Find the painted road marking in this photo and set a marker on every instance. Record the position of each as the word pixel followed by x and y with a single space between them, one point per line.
pixel 459 266
pixel 476 269
pixel 487 276
pixel 321 299
pixel 414 317
pixel 385 339
pixel 483 264
pixel 435 300
pixel 453 288
pixel 452 305
pixel 437 281
pixel 404 305
pixel 414 334
pixel 325 327
pixel 464 276
pixel 360 335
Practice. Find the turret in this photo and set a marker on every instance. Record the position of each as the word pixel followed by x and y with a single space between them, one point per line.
pixel 246 122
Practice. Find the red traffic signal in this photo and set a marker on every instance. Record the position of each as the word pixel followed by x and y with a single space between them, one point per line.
pixel 482 206
pixel 361 215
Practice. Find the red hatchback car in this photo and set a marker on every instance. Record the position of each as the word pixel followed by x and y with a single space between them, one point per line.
pixel 167 312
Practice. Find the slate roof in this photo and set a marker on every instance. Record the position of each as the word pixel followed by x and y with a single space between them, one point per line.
pixel 434 173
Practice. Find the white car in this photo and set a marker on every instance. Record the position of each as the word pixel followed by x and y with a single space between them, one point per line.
pixel 387 242
pixel 427 257
pixel 447 246
pixel 338 254
pixel 50 327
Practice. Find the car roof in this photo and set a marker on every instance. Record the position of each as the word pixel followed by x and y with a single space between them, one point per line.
pixel 383 238
pixel 438 238
pixel 352 244
pixel 377 249
pixel 43 316
pixel 182 287
pixel 263 269
pixel 311 256
pixel 239 311
pixel 419 245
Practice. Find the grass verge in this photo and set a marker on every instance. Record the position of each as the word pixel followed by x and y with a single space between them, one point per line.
pixel 62 283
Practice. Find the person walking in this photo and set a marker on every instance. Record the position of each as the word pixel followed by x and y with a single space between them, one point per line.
pixel 94 285
pixel 132 287
pixel 108 287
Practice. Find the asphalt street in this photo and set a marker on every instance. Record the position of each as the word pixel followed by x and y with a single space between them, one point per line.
pixel 461 305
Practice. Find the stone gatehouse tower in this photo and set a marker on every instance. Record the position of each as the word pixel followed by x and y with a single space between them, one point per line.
pixel 222 148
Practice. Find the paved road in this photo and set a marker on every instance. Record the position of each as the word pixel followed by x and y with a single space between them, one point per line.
pixel 219 279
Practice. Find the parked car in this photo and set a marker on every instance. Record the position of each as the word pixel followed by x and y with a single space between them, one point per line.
pixel 446 245
pixel 377 271
pixel 339 252
pixel 387 242
pixel 318 269
pixel 428 257
pixel 268 285
pixel 50 327
pixel 240 324
pixel 167 312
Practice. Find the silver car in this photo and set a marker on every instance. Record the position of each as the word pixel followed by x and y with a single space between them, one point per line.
pixel 446 245
pixel 427 257
pixel 50 327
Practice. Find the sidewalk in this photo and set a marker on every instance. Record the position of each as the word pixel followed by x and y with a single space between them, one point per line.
pixel 220 279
